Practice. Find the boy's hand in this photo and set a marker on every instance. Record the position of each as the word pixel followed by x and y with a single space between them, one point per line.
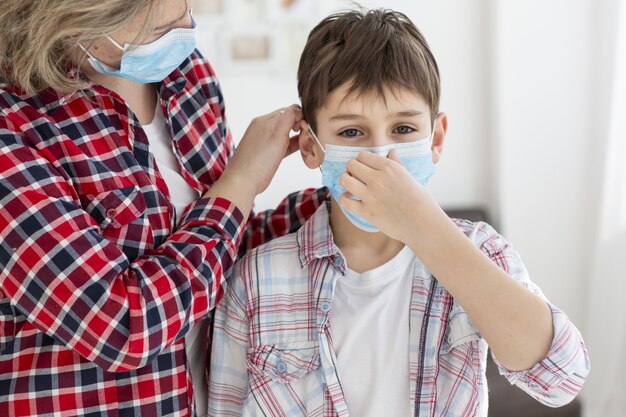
pixel 390 198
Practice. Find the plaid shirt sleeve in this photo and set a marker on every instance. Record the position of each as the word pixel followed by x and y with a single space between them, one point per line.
pixel 100 277
pixel 228 385
pixel 558 378
pixel 288 216
pixel 80 288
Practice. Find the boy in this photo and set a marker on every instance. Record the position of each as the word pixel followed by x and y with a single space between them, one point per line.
pixel 380 305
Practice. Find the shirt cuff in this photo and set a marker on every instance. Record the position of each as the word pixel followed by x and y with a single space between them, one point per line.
pixel 567 361
pixel 217 213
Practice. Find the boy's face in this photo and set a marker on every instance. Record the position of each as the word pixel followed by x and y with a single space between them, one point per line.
pixel 370 120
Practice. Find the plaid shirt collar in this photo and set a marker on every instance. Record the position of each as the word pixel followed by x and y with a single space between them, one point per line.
pixel 315 240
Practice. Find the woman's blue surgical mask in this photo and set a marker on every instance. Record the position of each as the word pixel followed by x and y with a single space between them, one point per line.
pixel 415 156
pixel 152 62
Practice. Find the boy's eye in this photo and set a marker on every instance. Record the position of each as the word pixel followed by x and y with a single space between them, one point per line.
pixel 404 130
pixel 350 133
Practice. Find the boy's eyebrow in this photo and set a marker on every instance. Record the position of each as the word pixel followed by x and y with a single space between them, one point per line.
pixel 347 117
pixel 407 113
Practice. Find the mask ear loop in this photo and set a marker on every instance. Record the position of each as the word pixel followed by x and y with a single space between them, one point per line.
pixel 85 50
pixel 316 139
pixel 432 132
pixel 113 41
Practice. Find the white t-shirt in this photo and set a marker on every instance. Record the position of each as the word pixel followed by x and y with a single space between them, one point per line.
pixel 369 323
pixel 161 147
pixel 182 194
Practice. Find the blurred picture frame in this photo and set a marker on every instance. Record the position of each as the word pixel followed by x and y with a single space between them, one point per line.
pixel 250 48
pixel 213 8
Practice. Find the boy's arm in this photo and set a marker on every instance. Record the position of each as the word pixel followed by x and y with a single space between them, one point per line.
pixel 228 376
pixel 559 376
pixel 516 323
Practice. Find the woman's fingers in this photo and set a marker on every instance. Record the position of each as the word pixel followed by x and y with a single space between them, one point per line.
pixel 294 111
pixel 264 144
pixel 293 145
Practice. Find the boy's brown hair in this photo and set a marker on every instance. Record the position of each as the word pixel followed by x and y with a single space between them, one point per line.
pixel 371 49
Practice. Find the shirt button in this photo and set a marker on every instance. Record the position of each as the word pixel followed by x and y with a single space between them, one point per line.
pixel 325 307
pixel 281 367
pixel 111 213
pixel 337 261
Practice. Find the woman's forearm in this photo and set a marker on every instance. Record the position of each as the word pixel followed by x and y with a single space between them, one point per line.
pixel 236 189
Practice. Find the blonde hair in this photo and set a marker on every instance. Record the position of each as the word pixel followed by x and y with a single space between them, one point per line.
pixel 38 36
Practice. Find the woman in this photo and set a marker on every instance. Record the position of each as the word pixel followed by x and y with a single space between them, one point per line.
pixel 120 215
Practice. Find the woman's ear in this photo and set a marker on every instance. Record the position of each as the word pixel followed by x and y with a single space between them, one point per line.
pixel 311 153
pixel 441 127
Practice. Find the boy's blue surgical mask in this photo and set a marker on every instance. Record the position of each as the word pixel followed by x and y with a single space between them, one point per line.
pixel 152 62
pixel 415 156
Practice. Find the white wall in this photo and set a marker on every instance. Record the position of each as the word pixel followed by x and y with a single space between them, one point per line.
pixel 544 125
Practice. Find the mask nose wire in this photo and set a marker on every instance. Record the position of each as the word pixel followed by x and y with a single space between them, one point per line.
pixel 316 139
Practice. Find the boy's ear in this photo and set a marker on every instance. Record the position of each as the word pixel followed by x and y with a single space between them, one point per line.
pixel 311 153
pixel 441 127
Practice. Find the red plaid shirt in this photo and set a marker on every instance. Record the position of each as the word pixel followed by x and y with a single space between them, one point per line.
pixel 97 286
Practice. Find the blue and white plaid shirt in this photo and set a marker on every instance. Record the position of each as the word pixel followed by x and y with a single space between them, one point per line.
pixel 273 352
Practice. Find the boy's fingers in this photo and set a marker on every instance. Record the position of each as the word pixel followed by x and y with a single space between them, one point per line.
pixel 359 170
pixel 393 155
pixel 353 185
pixel 347 202
pixel 372 160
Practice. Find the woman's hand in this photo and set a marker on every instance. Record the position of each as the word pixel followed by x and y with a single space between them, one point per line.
pixel 264 145
pixel 258 155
